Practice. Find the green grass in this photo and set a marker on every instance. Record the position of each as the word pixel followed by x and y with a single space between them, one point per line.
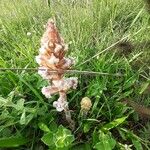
pixel 89 27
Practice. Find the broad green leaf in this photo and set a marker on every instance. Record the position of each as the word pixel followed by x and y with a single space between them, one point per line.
pixel 112 142
pixel 114 123
pixel 53 126
pixel 12 141
pixel 106 142
pixel 43 127
pixel 48 139
pixel 108 137
pixel 63 137
pixel 103 145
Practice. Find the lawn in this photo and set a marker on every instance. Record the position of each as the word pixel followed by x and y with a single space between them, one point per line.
pixel 111 37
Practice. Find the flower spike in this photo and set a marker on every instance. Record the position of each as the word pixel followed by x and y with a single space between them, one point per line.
pixel 52 57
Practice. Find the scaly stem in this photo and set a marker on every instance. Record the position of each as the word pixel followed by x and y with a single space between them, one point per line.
pixel 69 120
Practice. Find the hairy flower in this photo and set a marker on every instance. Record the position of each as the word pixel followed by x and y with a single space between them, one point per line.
pixel 86 104
pixel 38 59
pixel 52 58
pixel 49 90
pixel 61 104
pixel 46 92
pixel 65 84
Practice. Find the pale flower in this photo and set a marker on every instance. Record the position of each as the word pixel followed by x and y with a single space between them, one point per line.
pixel 86 104
pixel 74 81
pixel 53 60
pixel 43 50
pixel 60 106
pixel 49 90
pixel 57 48
pixel 43 72
pixel 66 84
pixel 68 63
pixel 38 59
pixel 45 91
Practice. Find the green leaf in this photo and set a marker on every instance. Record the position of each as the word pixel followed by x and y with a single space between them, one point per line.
pixel 106 142
pixel 137 144
pixel 114 123
pixel 20 104
pixel 127 93
pixel 29 118
pixel 12 141
pixel 32 89
pixel 95 137
pixel 63 137
pixel 122 134
pixel 53 126
pixel 43 127
pixel 4 114
pixel 3 101
pixel 129 82
pixel 144 87
pixel 103 145
pixel 134 138
pixel 86 127
pixel 11 96
pixel 23 118
pixel 48 139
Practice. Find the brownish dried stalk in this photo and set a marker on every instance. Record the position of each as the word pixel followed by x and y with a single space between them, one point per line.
pixel 140 109
pixel 52 58
pixel 85 72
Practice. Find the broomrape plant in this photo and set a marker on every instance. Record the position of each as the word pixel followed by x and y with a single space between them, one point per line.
pixel 52 58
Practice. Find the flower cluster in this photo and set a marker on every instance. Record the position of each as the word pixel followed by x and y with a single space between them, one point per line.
pixel 52 58
pixel 86 104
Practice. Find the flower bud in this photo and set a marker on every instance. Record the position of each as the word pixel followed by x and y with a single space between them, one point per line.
pixel 86 104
